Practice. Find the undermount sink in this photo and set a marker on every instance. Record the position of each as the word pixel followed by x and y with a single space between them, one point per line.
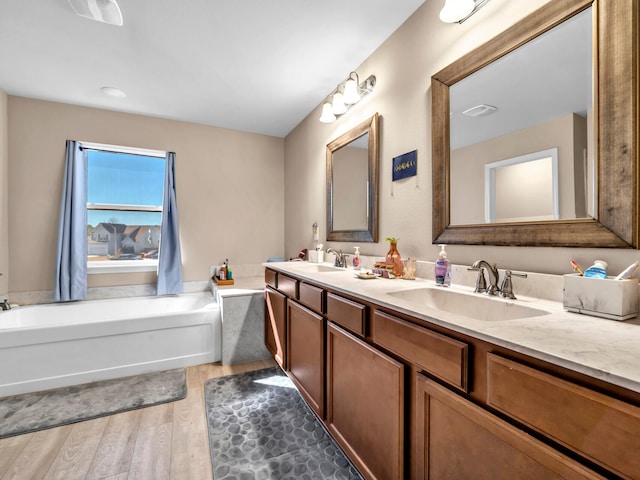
pixel 474 306
pixel 317 267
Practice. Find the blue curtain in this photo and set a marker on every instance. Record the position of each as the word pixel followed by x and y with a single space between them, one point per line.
pixel 169 258
pixel 71 263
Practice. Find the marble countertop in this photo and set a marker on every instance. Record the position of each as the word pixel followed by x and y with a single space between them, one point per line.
pixel 605 349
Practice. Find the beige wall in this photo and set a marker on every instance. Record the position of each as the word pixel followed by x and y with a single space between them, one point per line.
pixel 229 186
pixel 467 165
pixel 403 66
pixel 4 199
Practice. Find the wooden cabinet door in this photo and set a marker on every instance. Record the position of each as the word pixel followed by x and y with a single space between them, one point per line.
pixel 458 439
pixel 365 405
pixel 275 325
pixel 305 353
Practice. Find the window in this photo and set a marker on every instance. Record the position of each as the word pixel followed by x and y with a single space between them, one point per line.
pixel 125 190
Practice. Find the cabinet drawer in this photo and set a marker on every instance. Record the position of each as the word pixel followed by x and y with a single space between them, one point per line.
pixel 603 429
pixel 271 278
pixel 312 297
pixel 444 357
pixel 288 286
pixel 348 314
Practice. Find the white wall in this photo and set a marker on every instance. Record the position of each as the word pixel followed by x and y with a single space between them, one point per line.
pixel 403 66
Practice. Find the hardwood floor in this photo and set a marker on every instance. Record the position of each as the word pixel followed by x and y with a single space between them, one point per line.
pixel 167 441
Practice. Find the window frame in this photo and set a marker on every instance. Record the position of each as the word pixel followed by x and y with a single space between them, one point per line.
pixel 123 266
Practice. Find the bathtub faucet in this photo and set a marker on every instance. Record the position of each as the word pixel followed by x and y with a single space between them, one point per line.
pixel 5 305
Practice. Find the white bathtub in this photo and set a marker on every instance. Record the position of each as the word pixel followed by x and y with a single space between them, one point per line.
pixel 55 345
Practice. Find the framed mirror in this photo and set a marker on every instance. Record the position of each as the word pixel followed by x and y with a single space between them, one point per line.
pixel 597 171
pixel 352 184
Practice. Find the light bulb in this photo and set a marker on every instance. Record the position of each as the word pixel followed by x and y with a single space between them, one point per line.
pixel 327 115
pixel 455 10
pixel 338 107
pixel 351 94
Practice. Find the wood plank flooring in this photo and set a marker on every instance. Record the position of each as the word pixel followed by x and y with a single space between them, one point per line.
pixel 167 441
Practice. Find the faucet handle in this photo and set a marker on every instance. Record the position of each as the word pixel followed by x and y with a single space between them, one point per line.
pixel 506 289
pixel 481 282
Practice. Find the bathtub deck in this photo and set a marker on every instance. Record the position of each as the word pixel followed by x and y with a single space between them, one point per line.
pixel 167 441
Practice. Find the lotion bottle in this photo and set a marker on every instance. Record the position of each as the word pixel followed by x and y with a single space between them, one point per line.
pixel 443 268
pixel 597 270
pixel 356 259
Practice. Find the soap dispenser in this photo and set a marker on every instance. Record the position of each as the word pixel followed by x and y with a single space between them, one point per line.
pixel 443 268
pixel 356 259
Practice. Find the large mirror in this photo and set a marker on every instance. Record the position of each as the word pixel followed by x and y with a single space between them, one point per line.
pixel 545 115
pixel 352 184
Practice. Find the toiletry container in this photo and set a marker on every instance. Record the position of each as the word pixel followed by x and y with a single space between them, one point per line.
pixel 597 270
pixel 443 268
pixel 356 259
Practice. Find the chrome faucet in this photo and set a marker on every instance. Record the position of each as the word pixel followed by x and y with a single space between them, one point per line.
pixel 494 277
pixel 340 258
pixel 5 305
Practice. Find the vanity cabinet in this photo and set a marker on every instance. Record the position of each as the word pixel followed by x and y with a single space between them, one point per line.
pixel 365 404
pixel 408 398
pixel 458 439
pixel 275 325
pixel 305 351
pixel 278 288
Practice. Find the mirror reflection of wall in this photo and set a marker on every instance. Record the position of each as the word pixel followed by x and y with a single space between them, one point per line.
pixel 522 188
pixel 350 185
pixel 543 98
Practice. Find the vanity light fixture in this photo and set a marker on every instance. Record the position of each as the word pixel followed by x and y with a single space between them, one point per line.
pixel 457 11
pixel 346 94
pixel 105 11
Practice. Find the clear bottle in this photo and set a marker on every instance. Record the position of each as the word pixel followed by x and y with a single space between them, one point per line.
pixel 597 270
pixel 356 259
pixel 443 268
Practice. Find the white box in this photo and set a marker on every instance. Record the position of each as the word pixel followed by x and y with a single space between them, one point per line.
pixel 601 297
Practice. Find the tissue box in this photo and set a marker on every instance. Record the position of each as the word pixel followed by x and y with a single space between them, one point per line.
pixel 601 297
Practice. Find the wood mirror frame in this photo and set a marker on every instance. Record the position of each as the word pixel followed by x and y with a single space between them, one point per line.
pixel 369 126
pixel 616 79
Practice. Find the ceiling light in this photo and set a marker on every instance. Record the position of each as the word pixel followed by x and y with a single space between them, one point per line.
pixel 113 92
pixel 340 102
pixel 105 11
pixel 457 11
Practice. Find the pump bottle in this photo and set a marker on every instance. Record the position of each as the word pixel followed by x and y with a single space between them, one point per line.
pixel 443 268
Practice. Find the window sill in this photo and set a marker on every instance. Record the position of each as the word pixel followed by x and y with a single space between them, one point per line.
pixel 122 266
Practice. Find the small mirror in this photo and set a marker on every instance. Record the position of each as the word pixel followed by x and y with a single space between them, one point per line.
pixel 352 184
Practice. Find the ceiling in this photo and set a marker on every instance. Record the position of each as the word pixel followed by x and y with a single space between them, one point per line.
pixel 250 65
pixel 544 79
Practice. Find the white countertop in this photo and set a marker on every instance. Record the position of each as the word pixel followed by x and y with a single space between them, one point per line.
pixel 608 350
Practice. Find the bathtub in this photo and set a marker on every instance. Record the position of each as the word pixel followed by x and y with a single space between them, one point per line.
pixel 56 345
